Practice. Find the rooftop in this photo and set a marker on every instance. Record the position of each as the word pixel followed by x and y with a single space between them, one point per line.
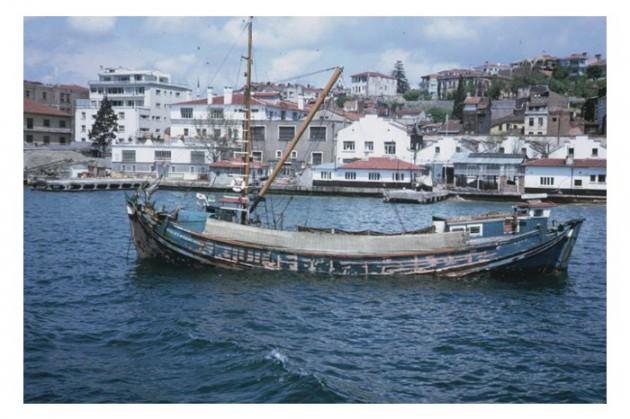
pixel 563 163
pixel 381 163
pixel 30 106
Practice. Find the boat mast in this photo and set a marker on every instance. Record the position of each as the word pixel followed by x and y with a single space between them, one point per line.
pixel 247 134
pixel 291 145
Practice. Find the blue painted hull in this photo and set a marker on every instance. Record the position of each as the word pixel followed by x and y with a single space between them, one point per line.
pixel 158 237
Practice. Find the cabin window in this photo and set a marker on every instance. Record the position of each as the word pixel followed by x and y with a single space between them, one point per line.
pixel 317 134
pixel 317 158
pixel 351 175
pixel 458 228
pixel 325 175
pixel 390 147
pixel 475 230
pixel 286 133
pixel 601 178
pixel 348 146
pixel 258 133
pixel 538 212
pixel 577 182
pixel 374 176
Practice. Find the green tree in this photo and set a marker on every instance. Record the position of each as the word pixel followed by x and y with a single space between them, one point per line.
pixel 412 95
pixel 399 74
pixel 437 114
pixel 560 73
pixel 105 127
pixel 458 98
pixel 496 87
pixel 594 72
pixel 340 100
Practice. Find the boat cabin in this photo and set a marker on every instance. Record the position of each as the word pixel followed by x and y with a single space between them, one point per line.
pixel 525 217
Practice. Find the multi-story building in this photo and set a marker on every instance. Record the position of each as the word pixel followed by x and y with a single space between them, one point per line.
pixel 538 114
pixel 438 156
pixel 476 115
pixel 429 83
pixel 373 84
pixel 140 98
pixel 59 96
pixel 576 64
pixel 502 172
pixel 476 82
pixel 494 69
pixel 507 125
pixel 372 136
pixel 45 125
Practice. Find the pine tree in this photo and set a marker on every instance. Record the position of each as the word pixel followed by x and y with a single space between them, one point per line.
pixel 459 98
pixel 399 74
pixel 105 127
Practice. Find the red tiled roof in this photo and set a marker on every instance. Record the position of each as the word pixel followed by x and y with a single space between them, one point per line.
pixel 373 74
pixel 230 164
pixel 74 87
pixel 30 106
pixel 563 162
pixel 381 163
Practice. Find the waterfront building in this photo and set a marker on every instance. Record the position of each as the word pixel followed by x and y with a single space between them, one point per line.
pixel 501 172
pixel 437 155
pixel 580 147
pixel 140 99
pixel 44 125
pixel 566 176
pixel 373 172
pixel 372 136
pixel 373 84
pixel 214 118
pixel 59 96
pixel 174 159
pixel 476 115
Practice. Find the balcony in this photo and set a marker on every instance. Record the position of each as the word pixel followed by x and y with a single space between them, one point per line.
pixel 136 82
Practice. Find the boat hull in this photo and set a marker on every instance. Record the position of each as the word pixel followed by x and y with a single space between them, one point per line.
pixel 160 237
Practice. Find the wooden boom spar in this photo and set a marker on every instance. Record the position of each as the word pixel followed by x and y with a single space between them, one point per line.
pixel 291 145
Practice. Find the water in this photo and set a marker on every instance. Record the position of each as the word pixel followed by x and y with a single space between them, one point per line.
pixel 99 326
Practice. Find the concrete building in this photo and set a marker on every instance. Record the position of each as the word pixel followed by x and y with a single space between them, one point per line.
pixel 173 159
pixel 44 125
pixel 437 155
pixel 576 64
pixel 501 172
pixel 476 115
pixel 373 172
pixel 59 96
pixel 566 176
pixel 580 148
pixel 372 136
pixel 429 83
pixel 475 81
pixel 140 98
pixel 508 125
pixel 373 84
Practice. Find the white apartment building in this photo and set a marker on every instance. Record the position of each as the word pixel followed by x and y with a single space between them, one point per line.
pixel 140 98
pixel 430 84
pixel 566 176
pixel 373 84
pixel 372 136
pixel 580 148
pixel 438 156
pixel 220 116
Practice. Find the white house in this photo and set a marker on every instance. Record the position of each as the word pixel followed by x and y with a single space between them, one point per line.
pixel 219 116
pixel 372 83
pixel 140 99
pixel 566 176
pixel 373 172
pixel 372 136
pixel 438 156
pixel 173 159
pixel 511 145
pixel 580 148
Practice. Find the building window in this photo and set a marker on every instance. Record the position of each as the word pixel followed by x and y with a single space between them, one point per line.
pixel 129 156
pixel 29 123
pixel 29 138
pixel 258 133
pixel 437 150
pixel 325 175
pixel 62 123
pixel 46 122
pixel 46 139
pixel 121 128
pixel 316 158
pixel 27 93
pixel 524 150
pixel 286 133
pixel 44 95
pixel 593 178
pixel 390 147
pixel 83 115
pixel 351 175
pixel 62 140
pixel 458 149
pixel 540 122
pixel 163 155
pixel 546 180
pixel 594 152
pixel 577 182
pixel 531 122
pixel 186 132
pixel 186 113
pixel 502 150
pixel 294 154
pixel 397 176
pixel 83 128
pixel 601 178
pixel 374 176
pixel 571 151
pixel 257 155
pixel 278 154
pixel 216 113
pixel 348 146
pixel 197 157
pixel 317 134
pixel 369 145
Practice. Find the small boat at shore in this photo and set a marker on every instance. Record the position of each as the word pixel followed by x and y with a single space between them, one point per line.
pixel 227 233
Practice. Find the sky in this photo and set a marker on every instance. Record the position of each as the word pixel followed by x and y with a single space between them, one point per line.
pixel 208 49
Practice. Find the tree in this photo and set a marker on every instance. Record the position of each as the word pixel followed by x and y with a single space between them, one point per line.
pixel 594 72
pixel 437 114
pixel 105 127
pixel 496 87
pixel 458 98
pixel 412 95
pixel 401 78
pixel 340 100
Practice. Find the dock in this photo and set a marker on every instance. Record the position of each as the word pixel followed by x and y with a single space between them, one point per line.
pixel 414 197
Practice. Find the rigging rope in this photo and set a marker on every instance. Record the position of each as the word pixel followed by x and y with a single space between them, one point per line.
pixel 301 76
pixel 238 37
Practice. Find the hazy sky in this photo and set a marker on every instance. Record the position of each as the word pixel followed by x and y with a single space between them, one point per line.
pixel 70 50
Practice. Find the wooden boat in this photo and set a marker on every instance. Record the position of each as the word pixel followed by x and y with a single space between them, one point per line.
pixel 226 234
